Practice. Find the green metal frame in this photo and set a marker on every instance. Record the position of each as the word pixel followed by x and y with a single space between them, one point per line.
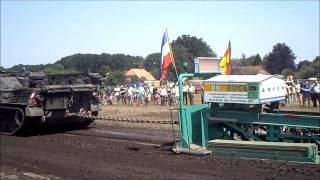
pixel 269 150
pixel 273 122
pixel 201 123
pixel 193 121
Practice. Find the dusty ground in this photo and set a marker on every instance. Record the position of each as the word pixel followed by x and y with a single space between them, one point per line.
pixel 112 150
pixel 154 112
pixel 295 106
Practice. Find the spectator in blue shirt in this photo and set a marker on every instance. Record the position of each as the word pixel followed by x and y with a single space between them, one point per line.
pixel 306 96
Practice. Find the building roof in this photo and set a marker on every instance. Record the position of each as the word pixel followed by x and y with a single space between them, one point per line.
pixel 140 73
pixel 239 78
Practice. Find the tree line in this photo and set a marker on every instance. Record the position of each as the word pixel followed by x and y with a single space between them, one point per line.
pixel 281 60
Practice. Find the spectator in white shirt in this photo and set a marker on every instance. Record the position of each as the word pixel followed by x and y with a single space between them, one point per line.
pixel 117 93
pixel 191 94
pixel 130 95
pixel 185 93
pixel 163 95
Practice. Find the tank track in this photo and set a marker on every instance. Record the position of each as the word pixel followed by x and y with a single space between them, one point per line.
pixel 12 120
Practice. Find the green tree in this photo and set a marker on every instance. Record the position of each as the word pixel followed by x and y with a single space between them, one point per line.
pixel 19 67
pixel 307 69
pixel 257 60
pixel 152 61
pixel 57 69
pixel 152 64
pixel 2 68
pixel 185 48
pixel 280 58
pixel 181 55
pixel 304 63
pixel 196 46
pixel 287 72
pixel 83 62
pixel 244 61
pixel 115 78
pixel 243 56
pixel 95 63
pixel 316 64
pixel 105 69
pixel 306 72
pixel 125 62
pixel 254 60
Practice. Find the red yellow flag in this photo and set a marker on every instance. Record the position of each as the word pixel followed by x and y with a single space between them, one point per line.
pixel 225 61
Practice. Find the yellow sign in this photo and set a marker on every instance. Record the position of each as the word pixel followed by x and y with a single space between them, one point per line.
pixel 225 87
pixel 207 87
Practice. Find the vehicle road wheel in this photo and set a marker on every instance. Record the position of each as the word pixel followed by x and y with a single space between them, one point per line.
pixel 16 122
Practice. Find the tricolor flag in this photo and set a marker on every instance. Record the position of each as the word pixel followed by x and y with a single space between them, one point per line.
pixel 166 56
pixel 225 61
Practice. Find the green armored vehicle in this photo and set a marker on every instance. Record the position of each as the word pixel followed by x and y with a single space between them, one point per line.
pixel 35 98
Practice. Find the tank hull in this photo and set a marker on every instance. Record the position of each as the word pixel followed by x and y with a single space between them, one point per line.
pixel 22 107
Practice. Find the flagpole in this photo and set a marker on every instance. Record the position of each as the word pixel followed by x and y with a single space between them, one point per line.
pixel 171 55
pixel 229 57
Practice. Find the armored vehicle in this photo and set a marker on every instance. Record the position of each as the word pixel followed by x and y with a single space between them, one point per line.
pixel 34 98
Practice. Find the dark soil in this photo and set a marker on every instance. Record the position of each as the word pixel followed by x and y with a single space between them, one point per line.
pixel 117 152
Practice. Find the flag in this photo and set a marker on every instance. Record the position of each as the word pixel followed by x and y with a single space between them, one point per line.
pixel 166 56
pixel 225 61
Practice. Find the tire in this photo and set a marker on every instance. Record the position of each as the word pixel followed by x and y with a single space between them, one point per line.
pixel 16 122
pixel 19 117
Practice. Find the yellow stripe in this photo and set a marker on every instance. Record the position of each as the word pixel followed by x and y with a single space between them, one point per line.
pixel 223 88
pixel 207 87
pixel 223 61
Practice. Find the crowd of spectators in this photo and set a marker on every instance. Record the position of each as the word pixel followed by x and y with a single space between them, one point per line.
pixel 143 94
pixel 303 91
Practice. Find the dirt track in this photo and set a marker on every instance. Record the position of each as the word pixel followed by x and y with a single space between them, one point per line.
pixel 114 152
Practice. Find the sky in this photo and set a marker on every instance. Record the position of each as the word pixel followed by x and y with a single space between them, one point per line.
pixel 40 32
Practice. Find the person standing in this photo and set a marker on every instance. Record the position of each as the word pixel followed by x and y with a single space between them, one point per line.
pixel 202 94
pixel 185 93
pixel 130 95
pixel 163 95
pixel 173 95
pixel 141 93
pixel 314 91
pixel 177 95
pixel 288 93
pixel 112 97
pixel 191 93
pixel 117 93
pixel 297 89
pixel 169 96
pixel 123 95
pixel 151 91
pixel 135 94
pixel 301 92
pixel 291 91
pixel 154 95
pixel 306 93
pixel 148 95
